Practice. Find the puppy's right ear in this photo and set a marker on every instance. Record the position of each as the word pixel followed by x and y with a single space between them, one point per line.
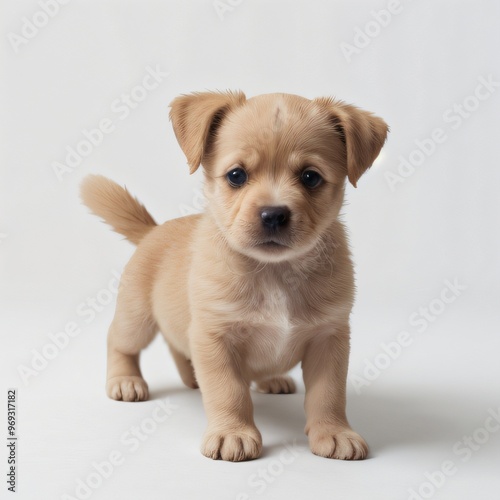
pixel 195 118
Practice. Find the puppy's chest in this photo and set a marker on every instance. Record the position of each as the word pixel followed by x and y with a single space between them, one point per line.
pixel 271 307
pixel 272 327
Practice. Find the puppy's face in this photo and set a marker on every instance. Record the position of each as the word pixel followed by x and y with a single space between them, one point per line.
pixel 274 176
pixel 275 168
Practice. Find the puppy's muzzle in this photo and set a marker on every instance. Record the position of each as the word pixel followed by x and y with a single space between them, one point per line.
pixel 275 219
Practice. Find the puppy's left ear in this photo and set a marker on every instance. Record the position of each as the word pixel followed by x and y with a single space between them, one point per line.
pixel 362 132
pixel 195 118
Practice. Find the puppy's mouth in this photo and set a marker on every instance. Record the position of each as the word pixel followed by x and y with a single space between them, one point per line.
pixel 272 245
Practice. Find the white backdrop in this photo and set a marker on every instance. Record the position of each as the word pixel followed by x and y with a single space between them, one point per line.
pixel 423 223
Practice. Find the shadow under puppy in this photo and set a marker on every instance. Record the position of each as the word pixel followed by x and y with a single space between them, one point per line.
pixel 263 279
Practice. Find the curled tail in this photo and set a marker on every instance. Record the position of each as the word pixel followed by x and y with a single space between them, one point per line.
pixel 117 207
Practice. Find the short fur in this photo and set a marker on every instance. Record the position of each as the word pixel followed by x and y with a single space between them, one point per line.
pixel 233 306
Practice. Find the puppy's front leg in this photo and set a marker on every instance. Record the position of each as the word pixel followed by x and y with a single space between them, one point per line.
pixel 231 433
pixel 325 372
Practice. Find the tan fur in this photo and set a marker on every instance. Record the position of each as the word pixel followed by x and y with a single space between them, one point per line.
pixel 117 207
pixel 234 308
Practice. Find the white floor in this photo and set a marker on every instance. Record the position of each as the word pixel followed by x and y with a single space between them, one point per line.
pixel 441 389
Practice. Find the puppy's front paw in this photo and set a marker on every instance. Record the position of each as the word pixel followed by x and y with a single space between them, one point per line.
pixel 337 442
pixel 282 384
pixel 127 388
pixel 232 445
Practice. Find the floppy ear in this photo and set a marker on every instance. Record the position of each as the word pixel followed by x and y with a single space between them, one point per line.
pixel 362 132
pixel 195 118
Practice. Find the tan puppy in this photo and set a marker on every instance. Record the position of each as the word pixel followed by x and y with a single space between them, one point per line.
pixel 263 279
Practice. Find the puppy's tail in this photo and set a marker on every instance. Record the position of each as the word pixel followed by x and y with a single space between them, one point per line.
pixel 117 207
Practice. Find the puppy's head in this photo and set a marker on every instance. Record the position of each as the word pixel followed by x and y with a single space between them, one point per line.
pixel 275 164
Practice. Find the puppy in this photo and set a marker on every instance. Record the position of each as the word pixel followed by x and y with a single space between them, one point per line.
pixel 262 280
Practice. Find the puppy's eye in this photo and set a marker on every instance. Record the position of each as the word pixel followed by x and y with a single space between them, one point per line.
pixel 236 177
pixel 311 179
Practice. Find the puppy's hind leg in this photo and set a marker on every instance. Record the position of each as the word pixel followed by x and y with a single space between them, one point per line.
pixel 129 333
pixel 185 368
pixel 279 384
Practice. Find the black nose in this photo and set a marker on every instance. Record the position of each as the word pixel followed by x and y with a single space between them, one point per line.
pixel 274 217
